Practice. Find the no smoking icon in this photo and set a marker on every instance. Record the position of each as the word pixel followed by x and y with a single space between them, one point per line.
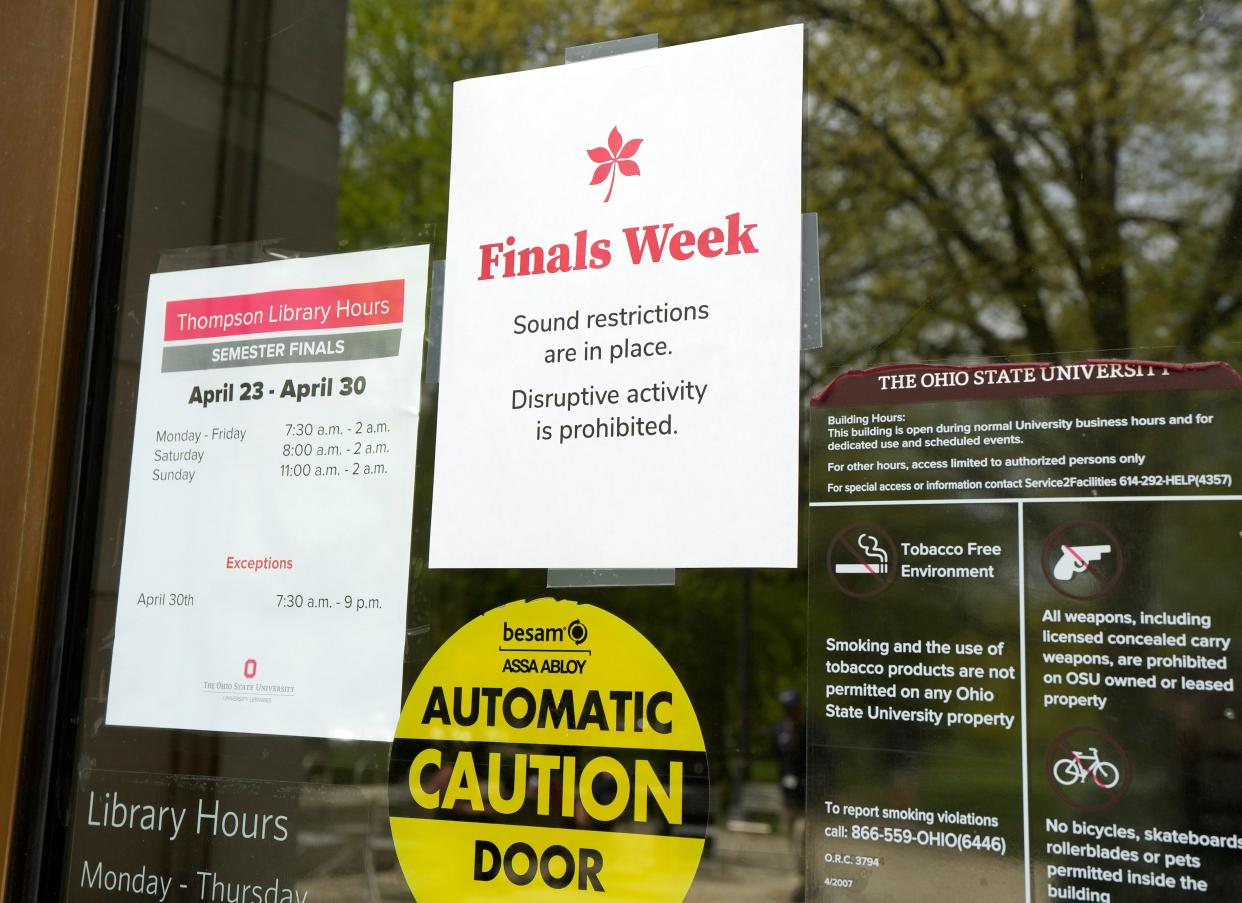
pixel 1083 560
pixel 862 560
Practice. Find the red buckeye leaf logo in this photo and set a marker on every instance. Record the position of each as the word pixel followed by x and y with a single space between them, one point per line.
pixel 616 156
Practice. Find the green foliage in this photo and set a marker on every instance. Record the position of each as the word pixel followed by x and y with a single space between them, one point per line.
pixel 994 177
pixel 1002 179
pixel 402 61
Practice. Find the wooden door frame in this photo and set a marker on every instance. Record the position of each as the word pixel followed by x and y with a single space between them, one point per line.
pixel 49 67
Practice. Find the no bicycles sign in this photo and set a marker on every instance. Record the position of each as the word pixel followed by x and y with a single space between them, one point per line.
pixel 548 746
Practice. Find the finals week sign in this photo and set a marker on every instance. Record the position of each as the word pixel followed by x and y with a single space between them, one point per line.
pixel 619 385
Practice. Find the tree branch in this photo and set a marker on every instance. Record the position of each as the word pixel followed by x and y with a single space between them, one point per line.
pixel 1020 63
pixel 1017 276
pixel 1220 299
pixel 1061 237
pixel 1142 44
pixel 991 345
pixel 927 53
pixel 1095 151
pixel 1018 280
pixel 940 212
pixel 935 56
pixel 1174 224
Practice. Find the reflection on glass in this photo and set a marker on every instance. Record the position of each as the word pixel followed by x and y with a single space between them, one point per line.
pixel 992 180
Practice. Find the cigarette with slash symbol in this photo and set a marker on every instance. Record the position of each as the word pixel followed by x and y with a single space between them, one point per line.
pixel 872 549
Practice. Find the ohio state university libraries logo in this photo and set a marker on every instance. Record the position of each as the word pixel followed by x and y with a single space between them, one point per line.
pixel 250 688
pixel 617 156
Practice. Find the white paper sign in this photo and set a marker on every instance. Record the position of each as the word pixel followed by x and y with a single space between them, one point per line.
pixel 619 385
pixel 267 538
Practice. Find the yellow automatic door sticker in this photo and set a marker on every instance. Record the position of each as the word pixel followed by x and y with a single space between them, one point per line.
pixel 548 752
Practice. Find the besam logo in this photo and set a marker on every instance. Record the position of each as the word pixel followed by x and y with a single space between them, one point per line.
pixel 616 156
pixel 577 632
pixel 533 634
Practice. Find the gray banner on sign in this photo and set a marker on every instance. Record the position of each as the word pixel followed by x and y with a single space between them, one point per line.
pixel 341 346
